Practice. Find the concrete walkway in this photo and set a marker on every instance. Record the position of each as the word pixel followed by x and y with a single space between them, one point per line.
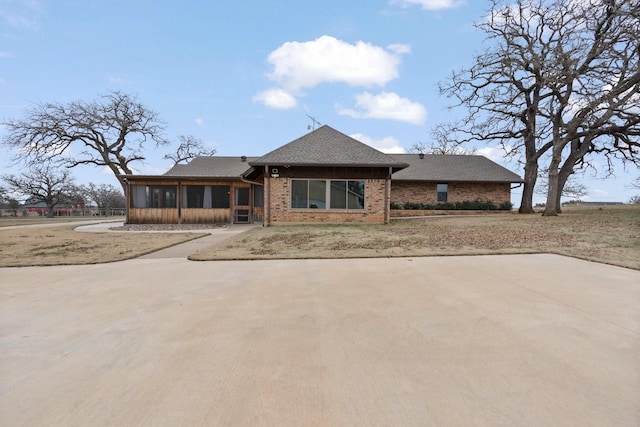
pixel 521 340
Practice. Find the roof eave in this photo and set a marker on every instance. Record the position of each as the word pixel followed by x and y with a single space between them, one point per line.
pixel 180 177
pixel 399 166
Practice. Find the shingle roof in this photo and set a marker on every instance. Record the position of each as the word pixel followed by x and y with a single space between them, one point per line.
pixel 212 167
pixel 326 146
pixel 452 168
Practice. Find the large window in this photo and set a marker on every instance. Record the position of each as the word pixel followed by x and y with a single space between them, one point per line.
pixel 205 196
pixel 442 192
pixel 154 196
pixel 327 194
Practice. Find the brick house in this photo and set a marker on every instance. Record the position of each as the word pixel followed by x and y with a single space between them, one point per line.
pixel 324 176
pixel 432 179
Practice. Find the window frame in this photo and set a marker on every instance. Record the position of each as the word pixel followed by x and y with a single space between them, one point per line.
pixel 329 195
pixel 442 196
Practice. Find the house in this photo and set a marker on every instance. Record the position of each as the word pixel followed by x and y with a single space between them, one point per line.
pixel 36 206
pixel 324 176
pixel 432 179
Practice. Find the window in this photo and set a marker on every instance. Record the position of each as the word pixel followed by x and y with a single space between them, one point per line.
pixel 163 196
pixel 205 196
pixel 258 196
pixel 442 190
pixel 242 196
pixel 195 196
pixel 220 196
pixel 308 194
pixel 313 194
pixel 154 196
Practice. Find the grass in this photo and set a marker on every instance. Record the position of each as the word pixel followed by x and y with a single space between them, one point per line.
pixel 609 235
pixel 58 245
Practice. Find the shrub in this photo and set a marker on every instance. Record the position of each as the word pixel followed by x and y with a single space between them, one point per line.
pixel 469 205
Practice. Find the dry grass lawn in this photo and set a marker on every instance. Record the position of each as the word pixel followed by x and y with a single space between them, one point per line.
pixel 58 245
pixel 609 235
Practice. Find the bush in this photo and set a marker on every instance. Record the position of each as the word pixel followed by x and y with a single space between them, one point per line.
pixel 468 205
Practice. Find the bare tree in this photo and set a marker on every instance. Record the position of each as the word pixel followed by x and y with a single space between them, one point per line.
pixel 572 188
pixel 188 149
pixel 502 92
pixel 44 183
pixel 559 77
pixel 105 196
pixel 595 101
pixel 442 144
pixel 109 132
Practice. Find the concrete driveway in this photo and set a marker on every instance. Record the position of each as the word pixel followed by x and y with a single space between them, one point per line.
pixel 452 341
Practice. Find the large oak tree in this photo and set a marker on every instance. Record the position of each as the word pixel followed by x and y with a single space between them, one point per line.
pixel 558 81
pixel 112 131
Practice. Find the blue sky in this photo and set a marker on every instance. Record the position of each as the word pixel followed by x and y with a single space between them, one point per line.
pixel 242 76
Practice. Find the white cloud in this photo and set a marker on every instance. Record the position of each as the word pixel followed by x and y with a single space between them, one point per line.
pixel 299 65
pixel 429 4
pixel 199 121
pixel 21 14
pixel 399 49
pixel 387 105
pixel 5 54
pixel 276 98
pixel 492 153
pixel 388 144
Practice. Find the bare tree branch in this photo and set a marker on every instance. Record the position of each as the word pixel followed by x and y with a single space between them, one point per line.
pixel 110 132
pixel 189 148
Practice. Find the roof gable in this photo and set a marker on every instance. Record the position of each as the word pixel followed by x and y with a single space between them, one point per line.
pixel 326 146
pixel 452 168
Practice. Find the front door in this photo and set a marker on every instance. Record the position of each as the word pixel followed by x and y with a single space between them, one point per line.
pixel 242 207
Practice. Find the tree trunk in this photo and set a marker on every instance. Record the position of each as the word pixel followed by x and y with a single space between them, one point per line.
pixel 563 177
pixel 530 177
pixel 50 211
pixel 553 195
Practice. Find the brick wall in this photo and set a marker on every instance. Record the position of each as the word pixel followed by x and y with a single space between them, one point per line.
pixel 280 212
pixel 425 192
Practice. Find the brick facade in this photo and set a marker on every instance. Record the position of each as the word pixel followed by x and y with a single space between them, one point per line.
pixel 278 197
pixel 425 192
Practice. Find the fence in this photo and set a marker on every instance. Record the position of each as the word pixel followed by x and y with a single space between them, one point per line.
pixel 65 212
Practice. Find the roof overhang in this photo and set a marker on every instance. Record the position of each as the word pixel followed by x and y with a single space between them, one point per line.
pixel 181 178
pixel 394 166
